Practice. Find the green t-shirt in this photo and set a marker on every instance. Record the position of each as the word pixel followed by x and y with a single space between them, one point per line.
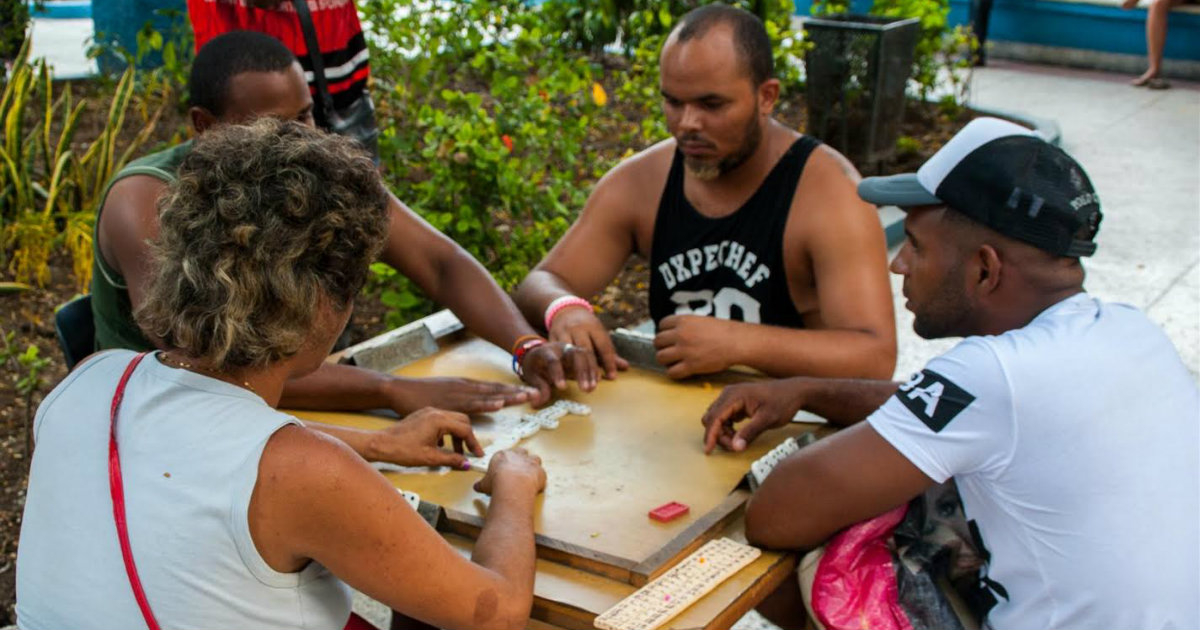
pixel 111 308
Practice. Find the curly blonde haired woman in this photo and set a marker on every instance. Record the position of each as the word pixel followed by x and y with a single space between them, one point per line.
pixel 209 508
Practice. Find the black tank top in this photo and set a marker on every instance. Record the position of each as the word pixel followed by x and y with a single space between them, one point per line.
pixel 729 267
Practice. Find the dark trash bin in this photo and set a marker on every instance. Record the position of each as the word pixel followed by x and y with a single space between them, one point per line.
pixel 857 70
pixel 117 23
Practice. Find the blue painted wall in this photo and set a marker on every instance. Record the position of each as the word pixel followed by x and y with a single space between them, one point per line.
pixel 68 9
pixel 118 22
pixel 1080 25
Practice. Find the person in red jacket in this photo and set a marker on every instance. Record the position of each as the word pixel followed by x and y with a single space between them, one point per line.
pixel 343 47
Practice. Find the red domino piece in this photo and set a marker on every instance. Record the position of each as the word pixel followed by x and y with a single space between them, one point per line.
pixel 669 511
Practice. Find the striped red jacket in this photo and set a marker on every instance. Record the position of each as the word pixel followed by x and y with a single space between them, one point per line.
pixel 339 33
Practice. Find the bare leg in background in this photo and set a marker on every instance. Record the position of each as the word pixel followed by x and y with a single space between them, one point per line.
pixel 1156 39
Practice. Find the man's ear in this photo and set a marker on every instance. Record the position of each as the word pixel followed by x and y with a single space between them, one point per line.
pixel 990 270
pixel 768 95
pixel 201 119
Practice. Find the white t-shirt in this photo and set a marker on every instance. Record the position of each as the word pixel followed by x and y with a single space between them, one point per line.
pixel 1075 443
pixel 190 447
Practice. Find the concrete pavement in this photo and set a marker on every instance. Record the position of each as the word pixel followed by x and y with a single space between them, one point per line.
pixel 1141 149
pixel 64 44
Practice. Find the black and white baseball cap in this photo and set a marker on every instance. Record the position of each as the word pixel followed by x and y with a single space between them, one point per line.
pixel 1007 178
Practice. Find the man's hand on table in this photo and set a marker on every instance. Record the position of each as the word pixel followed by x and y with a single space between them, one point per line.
pixel 579 327
pixel 694 344
pixel 548 366
pixel 516 468
pixel 454 394
pixel 418 440
pixel 762 405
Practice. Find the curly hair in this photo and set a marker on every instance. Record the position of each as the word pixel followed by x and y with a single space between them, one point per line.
pixel 265 222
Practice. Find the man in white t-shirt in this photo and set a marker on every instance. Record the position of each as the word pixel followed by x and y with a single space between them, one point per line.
pixel 1070 425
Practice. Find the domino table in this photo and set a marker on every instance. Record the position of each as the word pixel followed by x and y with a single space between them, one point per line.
pixel 640 448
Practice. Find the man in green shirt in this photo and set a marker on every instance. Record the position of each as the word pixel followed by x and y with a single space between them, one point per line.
pixel 241 76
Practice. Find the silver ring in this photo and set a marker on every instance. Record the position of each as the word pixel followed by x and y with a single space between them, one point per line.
pixel 567 347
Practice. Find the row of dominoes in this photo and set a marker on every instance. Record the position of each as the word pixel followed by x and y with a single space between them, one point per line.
pixel 667 595
pixel 501 442
pixel 765 464
pixel 549 417
pixel 528 425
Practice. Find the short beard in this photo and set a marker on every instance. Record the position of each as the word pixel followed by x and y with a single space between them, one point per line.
pixel 701 170
pixel 945 314
pixel 707 171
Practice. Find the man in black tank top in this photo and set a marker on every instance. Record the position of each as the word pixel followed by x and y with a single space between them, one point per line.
pixel 761 252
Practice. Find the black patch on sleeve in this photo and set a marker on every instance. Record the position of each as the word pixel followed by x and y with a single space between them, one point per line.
pixel 933 398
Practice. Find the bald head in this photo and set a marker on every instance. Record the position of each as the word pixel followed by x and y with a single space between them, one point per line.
pixel 748 34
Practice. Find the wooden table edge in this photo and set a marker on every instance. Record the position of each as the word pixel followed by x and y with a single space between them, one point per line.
pixel 568 617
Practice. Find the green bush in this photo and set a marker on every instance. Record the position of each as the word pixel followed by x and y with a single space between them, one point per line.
pixel 907 145
pixel 28 370
pixel 14 20
pixel 486 133
pixel 499 117
pixel 642 24
pixel 50 187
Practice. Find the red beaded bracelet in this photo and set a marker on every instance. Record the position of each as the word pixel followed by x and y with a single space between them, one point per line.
pixel 522 350
pixel 522 339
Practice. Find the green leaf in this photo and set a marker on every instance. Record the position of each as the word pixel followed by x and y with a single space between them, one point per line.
pixel 390 298
pixel 382 270
pixel 407 300
pixel 7 288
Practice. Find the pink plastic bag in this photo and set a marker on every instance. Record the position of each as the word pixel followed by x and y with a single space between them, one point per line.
pixel 855 585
